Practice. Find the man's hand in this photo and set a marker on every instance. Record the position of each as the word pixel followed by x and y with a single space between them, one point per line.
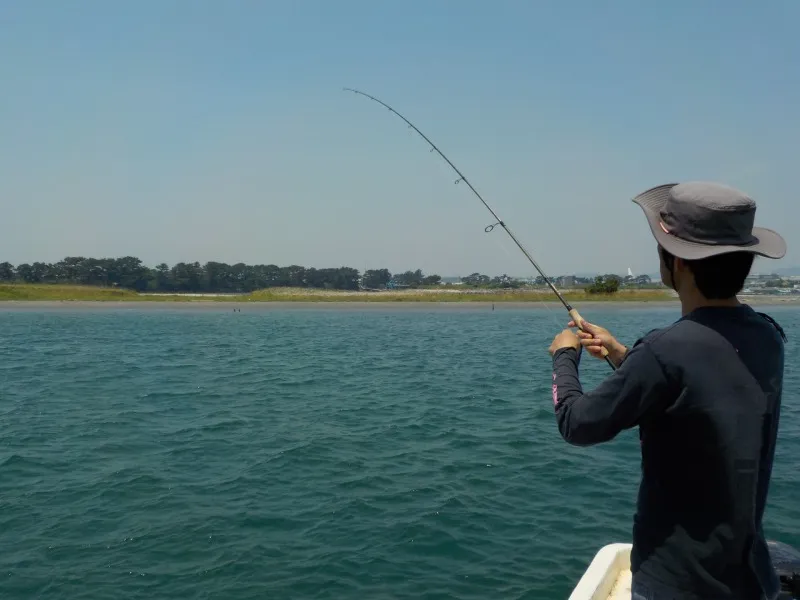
pixel 594 338
pixel 565 339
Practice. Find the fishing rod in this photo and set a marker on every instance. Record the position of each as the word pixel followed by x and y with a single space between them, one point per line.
pixel 573 313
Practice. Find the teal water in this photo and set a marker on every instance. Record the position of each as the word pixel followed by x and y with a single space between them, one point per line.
pixel 312 453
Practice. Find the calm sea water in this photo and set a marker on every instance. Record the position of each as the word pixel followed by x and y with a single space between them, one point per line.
pixel 312 453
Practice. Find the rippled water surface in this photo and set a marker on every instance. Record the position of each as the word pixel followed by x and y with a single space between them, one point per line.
pixel 312 453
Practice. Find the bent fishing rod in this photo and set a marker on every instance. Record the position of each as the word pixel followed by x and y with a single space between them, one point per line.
pixel 573 313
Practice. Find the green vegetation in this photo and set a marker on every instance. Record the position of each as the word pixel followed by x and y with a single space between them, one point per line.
pixel 127 278
pixel 27 291
pixel 604 284
pixel 777 282
pixel 213 277
pixel 216 277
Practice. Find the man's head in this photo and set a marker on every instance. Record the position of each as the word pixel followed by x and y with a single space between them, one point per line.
pixel 719 277
pixel 706 237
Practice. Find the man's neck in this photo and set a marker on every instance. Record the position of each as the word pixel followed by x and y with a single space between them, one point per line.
pixel 691 302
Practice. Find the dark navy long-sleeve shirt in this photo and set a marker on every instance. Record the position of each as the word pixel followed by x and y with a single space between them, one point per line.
pixel 705 393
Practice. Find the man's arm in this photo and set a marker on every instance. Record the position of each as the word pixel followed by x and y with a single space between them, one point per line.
pixel 637 387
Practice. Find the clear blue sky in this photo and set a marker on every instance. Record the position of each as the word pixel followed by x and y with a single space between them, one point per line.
pixel 207 130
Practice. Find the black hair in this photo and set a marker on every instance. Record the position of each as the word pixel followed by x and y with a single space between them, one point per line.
pixel 718 277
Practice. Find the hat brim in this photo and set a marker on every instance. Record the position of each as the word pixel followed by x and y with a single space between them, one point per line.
pixel 770 243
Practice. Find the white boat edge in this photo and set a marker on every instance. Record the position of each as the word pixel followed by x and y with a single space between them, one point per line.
pixel 608 575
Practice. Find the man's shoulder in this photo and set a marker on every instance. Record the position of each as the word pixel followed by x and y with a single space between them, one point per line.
pixel 774 327
pixel 665 335
pixel 690 329
pixel 667 344
pixel 655 344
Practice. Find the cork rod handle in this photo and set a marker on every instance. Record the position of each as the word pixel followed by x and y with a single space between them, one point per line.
pixel 578 319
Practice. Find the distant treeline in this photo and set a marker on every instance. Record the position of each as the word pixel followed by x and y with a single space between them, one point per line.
pixel 129 272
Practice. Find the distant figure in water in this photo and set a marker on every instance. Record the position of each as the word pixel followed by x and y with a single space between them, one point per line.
pixel 492 305
pixel 705 393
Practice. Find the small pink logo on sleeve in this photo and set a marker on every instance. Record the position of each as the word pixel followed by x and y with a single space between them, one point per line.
pixel 555 390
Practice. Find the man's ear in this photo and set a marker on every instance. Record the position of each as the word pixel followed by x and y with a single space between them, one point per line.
pixel 682 271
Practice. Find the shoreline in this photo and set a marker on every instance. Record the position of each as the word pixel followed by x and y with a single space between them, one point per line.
pixel 433 304
pixel 76 297
pixel 71 293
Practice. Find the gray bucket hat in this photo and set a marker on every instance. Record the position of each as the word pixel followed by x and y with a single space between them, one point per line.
pixel 699 219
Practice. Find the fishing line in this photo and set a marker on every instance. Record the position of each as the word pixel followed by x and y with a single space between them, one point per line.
pixel 573 313
pixel 550 312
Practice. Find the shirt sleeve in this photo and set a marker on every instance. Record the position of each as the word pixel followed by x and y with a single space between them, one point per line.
pixel 630 393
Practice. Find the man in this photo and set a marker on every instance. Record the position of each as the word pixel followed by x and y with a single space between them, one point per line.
pixel 705 393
